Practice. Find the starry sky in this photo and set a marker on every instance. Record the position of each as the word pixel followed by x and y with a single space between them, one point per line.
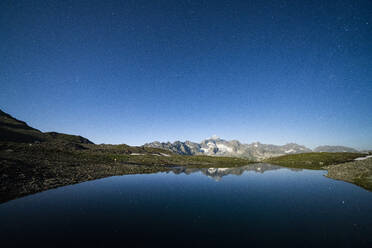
pixel 138 71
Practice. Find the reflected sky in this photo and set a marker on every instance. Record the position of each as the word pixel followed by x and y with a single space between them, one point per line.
pixel 279 206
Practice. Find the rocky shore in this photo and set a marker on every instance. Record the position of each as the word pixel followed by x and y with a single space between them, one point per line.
pixel 358 172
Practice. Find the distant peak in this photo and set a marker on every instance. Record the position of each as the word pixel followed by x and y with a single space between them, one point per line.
pixel 215 137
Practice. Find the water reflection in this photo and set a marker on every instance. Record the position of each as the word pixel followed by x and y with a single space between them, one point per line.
pixel 218 173
pixel 263 206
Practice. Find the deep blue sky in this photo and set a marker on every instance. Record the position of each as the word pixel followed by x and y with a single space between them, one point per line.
pixel 138 71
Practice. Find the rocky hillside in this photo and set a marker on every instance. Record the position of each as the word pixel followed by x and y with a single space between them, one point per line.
pixel 215 146
pixel 334 149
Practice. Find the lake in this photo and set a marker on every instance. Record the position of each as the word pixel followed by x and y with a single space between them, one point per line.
pixel 252 206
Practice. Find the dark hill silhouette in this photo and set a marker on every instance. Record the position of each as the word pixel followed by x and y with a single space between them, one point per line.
pixel 14 130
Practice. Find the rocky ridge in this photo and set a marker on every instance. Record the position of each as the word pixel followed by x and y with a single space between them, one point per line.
pixel 216 146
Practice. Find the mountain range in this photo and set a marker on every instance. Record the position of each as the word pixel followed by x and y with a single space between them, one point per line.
pixel 14 130
pixel 216 146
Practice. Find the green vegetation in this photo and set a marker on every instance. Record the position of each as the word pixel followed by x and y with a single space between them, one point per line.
pixel 159 159
pixel 71 153
pixel 66 137
pixel 340 166
pixel 314 160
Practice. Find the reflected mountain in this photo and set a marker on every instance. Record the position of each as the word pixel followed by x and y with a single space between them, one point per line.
pixel 218 173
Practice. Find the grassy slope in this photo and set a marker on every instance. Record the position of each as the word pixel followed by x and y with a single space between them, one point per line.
pixel 314 160
pixel 340 166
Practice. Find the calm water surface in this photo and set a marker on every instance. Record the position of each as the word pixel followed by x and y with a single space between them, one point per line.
pixel 253 206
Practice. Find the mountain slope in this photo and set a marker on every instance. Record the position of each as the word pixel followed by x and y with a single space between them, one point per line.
pixel 14 130
pixel 334 149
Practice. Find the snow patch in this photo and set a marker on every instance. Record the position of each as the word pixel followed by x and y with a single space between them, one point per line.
pixel 290 151
pixel 363 158
pixel 212 170
pixel 224 148
pixel 205 150
pixel 210 144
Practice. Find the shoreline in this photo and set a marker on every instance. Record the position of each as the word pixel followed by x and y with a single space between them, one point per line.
pixel 357 172
pixel 27 168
